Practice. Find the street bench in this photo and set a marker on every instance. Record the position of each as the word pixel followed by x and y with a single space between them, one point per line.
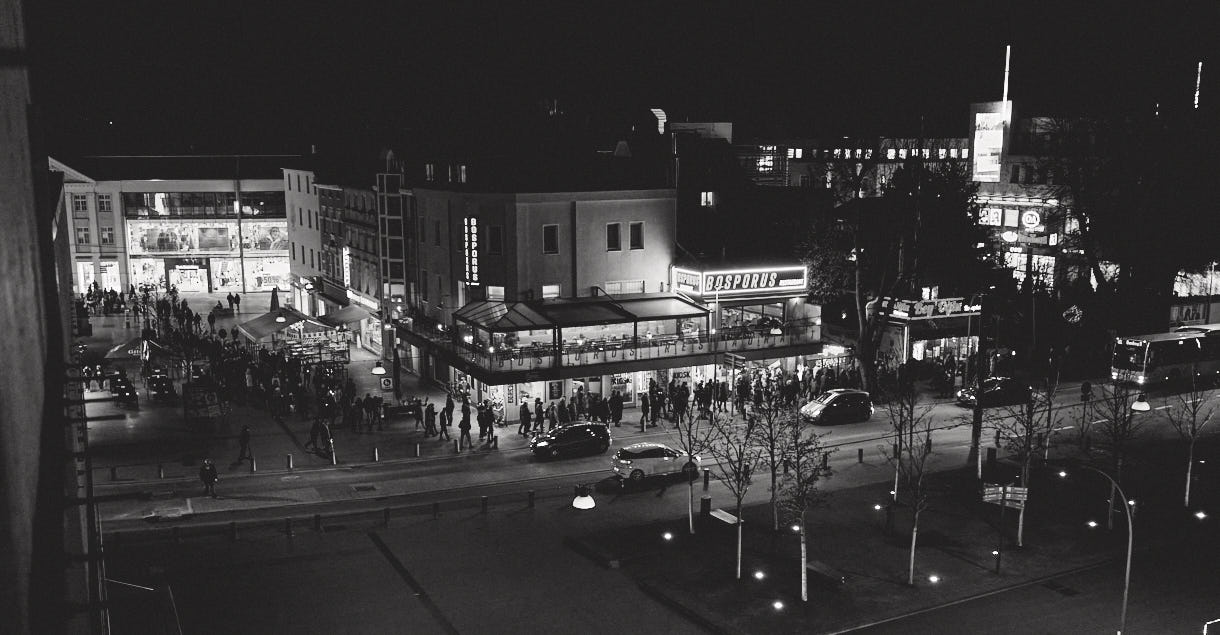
pixel 825 573
pixel 720 514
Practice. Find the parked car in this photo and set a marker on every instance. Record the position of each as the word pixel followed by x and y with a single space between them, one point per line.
pixel 162 387
pixel 123 391
pixel 571 440
pixel 641 460
pixel 838 405
pixel 996 391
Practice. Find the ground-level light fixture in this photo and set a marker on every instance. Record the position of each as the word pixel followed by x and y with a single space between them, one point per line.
pixel 796 528
pixel 667 535
pixel 933 578
pixel 877 507
pixel 583 498
pixel 1092 524
pixel 758 575
pixel 1201 515
pixel 1141 404
pixel 777 605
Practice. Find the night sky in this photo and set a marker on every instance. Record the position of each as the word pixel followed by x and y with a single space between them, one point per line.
pixel 279 76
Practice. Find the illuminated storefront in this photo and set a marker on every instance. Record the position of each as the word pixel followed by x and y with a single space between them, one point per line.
pixel 209 255
pixel 930 330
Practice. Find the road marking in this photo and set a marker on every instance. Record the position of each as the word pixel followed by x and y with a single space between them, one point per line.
pixel 416 588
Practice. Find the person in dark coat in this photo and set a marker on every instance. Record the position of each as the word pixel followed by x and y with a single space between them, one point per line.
pixel 243 440
pixel 430 420
pixel 616 408
pixel 643 410
pixel 562 412
pixel 464 426
pixel 539 414
pixel 523 428
pixel 207 474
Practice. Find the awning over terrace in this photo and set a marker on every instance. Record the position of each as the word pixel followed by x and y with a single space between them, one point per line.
pixel 266 324
pixel 573 312
pixel 346 315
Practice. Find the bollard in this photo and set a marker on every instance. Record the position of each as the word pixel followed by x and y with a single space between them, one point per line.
pixel 707 478
pixel 288 461
pixel 317 522
pixel 457 449
pixel 160 471
pixel 417 450
pixel 333 459
pixel 531 500
pixel 376 454
pixel 825 460
pixel 288 527
pixel 385 517
pixel 114 473
pixel 232 531
pixel 495 442
pixel 705 506
pixel 436 510
pixel 483 504
pixel 253 464
pixel 860 455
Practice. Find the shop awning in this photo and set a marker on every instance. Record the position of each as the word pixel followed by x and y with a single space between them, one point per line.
pixel 654 308
pixel 346 315
pixel 266 324
pixel 127 350
pixel 578 313
pixel 572 312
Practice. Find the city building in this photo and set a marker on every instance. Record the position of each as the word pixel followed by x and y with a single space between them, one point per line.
pixel 304 237
pixel 204 224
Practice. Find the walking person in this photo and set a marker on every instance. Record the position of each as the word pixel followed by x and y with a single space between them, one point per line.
pixel 464 426
pixel 243 440
pixel 446 421
pixel 237 303
pixel 523 428
pixel 430 420
pixel 448 409
pixel 616 408
pixel 539 414
pixel 207 474
pixel 643 410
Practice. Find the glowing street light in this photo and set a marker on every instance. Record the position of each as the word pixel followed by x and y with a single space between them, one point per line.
pixel 667 535
pixel 777 605
pixel 934 578
pixel 1201 515
pixel 759 575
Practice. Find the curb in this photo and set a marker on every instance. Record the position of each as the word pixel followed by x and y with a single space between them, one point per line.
pixel 976 596
pixel 663 597
pixel 592 552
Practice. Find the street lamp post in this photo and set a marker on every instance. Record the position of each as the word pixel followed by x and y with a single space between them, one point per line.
pixel 1127 504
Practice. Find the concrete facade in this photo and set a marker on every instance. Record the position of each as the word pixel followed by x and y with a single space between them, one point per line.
pixel 304 236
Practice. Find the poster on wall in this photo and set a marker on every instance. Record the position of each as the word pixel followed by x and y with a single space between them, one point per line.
pixel 265 235
pixel 205 236
pixel 265 274
pixel 555 390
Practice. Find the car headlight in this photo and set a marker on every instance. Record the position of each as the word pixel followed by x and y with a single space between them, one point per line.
pixel 1140 379
pixel 1114 374
pixel 541 444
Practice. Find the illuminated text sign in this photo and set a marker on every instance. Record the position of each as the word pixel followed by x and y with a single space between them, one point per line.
pixel 785 280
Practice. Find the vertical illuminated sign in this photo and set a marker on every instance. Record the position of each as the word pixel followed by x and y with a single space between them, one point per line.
pixel 347 266
pixel 989 128
pixel 470 244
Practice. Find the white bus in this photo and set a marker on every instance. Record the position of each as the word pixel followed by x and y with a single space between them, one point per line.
pixel 1147 360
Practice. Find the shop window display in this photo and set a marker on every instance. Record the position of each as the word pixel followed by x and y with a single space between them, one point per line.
pixel 148 271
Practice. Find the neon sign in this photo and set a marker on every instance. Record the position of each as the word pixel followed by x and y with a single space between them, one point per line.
pixel 791 280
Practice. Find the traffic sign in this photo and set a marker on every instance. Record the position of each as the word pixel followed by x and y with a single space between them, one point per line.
pixel 387 384
pixel 1018 493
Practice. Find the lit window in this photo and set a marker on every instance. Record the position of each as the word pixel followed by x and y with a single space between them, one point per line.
pixel 430 172
pixel 550 239
pixel 859 153
pixel 636 235
pixel 927 154
pixel 838 153
pixel 902 153
pixel 952 153
pixel 461 174
pixel 550 291
pixel 495 293
pixel 942 153
pixel 707 199
pixel 868 153
pixel 991 216
pixel 965 153
pixel 103 204
pixel 766 163
pixel 436 233
pixel 614 238
pixel 82 235
pixel 791 153
pixel 105 235
pixel 891 153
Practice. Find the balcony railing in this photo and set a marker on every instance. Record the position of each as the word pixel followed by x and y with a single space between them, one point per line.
pixel 542 357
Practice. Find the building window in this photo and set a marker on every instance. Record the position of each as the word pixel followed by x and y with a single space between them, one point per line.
pixel 105 235
pixel 495 293
pixel 636 235
pixel 307 184
pixel 461 174
pixel 902 153
pixel 942 153
pixel 550 291
pixel 80 204
pixel 1016 174
pixel 82 235
pixel 300 213
pixel 436 233
pixel 424 287
pixel 614 237
pixel 298 182
pixel 616 287
pixel 103 204
pixel 495 240
pixel 965 153
pixel 766 163
pixel 311 265
pixel 868 153
pixel 423 234
pixel 429 175
pixel 952 153
pixel 550 239
pixel 292 249
pixel 891 153
pixel 804 180
pixel 707 199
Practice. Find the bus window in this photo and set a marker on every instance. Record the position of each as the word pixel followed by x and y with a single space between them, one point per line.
pixel 1129 356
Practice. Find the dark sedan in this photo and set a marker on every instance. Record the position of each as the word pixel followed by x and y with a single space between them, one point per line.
pixel 572 440
pixel 996 391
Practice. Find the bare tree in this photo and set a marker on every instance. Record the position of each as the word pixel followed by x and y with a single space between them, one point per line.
pixel 808 464
pixel 1118 426
pixel 738 456
pixel 692 435
pixel 905 414
pixel 1018 427
pixel 912 465
pixel 771 422
pixel 1189 413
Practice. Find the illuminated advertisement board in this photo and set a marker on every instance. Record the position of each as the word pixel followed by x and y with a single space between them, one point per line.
pixel 791 281
pixel 990 128
pixel 164 237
